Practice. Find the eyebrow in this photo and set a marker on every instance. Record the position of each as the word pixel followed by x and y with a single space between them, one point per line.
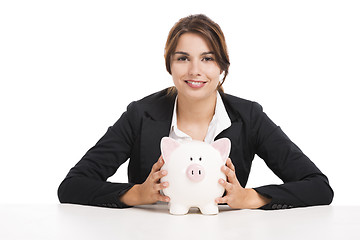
pixel 187 54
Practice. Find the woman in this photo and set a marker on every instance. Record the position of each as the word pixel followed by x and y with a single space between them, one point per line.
pixel 196 108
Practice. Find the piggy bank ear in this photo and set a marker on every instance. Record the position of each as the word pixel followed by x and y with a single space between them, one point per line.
pixel 223 146
pixel 168 145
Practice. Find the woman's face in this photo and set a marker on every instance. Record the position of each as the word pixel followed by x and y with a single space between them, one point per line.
pixel 194 69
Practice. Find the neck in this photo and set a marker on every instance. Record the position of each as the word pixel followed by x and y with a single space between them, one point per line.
pixel 199 111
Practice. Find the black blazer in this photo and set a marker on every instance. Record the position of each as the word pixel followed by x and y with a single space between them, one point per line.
pixel 137 134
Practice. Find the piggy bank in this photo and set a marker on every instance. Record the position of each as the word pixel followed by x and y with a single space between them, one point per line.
pixel 194 169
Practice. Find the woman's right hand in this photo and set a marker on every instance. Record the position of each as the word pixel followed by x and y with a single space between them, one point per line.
pixel 149 191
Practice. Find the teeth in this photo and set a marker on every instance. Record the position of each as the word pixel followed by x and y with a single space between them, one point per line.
pixel 195 83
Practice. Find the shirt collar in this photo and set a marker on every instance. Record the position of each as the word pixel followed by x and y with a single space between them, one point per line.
pixel 221 118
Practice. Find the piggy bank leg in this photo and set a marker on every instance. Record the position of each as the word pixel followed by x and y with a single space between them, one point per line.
pixel 178 209
pixel 209 209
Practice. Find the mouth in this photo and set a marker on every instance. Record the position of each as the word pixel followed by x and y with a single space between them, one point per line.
pixel 195 84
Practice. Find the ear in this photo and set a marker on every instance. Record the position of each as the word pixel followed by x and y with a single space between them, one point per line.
pixel 223 146
pixel 168 145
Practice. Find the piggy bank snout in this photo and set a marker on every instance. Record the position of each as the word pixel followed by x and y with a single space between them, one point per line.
pixel 195 172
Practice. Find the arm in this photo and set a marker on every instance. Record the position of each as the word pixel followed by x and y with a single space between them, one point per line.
pixel 304 184
pixel 86 182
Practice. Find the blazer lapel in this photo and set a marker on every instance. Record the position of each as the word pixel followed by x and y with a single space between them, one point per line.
pixel 156 124
pixel 234 131
pixel 152 133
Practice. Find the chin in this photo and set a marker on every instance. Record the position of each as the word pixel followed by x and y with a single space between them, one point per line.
pixel 197 94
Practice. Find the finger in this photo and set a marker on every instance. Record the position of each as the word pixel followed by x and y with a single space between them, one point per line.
pixel 230 174
pixel 221 199
pixel 230 164
pixel 156 176
pixel 228 186
pixel 156 167
pixel 162 198
pixel 161 186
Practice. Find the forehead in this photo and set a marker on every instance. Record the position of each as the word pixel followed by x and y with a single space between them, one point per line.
pixel 192 43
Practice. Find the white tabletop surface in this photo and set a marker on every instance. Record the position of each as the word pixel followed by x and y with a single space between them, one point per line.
pixel 66 221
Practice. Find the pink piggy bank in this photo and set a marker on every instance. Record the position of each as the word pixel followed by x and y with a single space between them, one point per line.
pixel 194 169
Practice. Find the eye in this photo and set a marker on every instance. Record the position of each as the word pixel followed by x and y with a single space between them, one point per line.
pixel 200 158
pixel 182 58
pixel 191 158
pixel 207 59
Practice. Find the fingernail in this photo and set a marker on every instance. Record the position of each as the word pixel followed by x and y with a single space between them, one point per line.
pixel 165 184
pixel 163 172
pixel 221 181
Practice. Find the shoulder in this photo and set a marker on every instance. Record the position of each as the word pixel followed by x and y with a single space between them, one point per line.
pixel 239 107
pixel 160 96
pixel 157 105
pixel 236 101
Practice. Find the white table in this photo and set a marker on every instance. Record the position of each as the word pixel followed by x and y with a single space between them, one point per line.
pixel 154 222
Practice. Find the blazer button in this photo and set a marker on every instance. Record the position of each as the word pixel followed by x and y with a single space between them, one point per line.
pixel 279 206
pixel 284 206
pixel 274 206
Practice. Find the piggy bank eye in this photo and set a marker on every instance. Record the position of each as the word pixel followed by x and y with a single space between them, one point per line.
pixel 191 158
pixel 200 158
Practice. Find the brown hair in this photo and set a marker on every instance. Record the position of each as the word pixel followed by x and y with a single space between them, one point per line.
pixel 209 30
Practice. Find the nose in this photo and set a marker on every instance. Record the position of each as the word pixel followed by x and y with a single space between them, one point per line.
pixel 194 68
pixel 195 172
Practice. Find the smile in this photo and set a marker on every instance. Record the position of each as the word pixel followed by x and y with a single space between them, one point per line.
pixel 195 84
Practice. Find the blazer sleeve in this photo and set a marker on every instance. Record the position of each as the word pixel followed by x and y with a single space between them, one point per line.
pixel 86 182
pixel 304 184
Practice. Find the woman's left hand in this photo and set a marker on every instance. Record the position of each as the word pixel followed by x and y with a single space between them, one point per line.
pixel 236 196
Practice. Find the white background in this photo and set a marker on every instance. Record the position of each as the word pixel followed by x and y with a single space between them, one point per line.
pixel 68 69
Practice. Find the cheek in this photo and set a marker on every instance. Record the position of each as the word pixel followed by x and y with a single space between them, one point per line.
pixel 177 71
pixel 214 73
